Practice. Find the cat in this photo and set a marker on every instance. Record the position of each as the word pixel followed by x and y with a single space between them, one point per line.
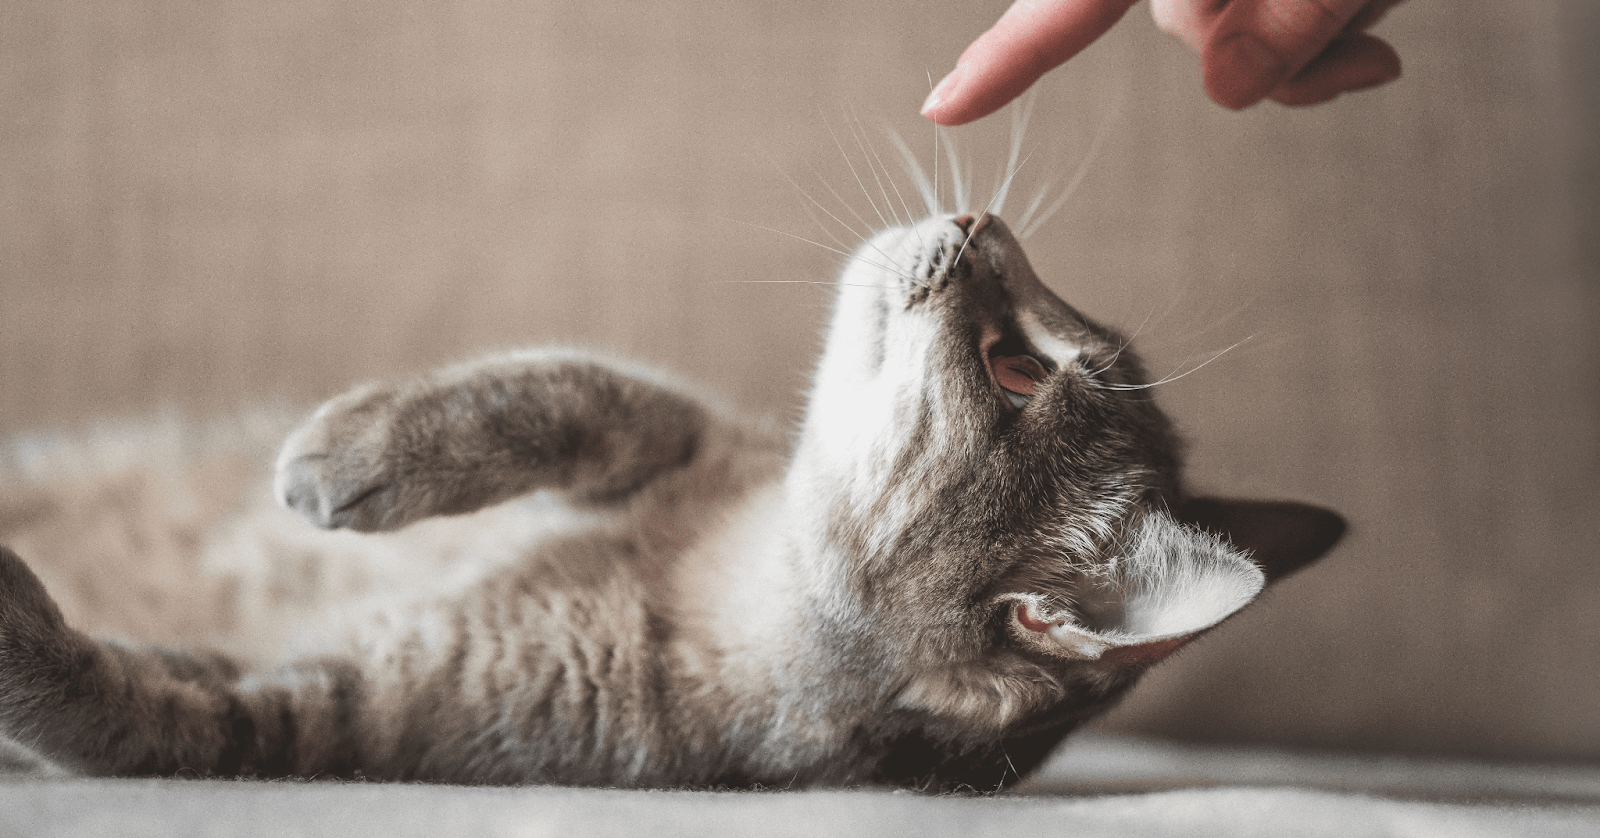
pixel 979 540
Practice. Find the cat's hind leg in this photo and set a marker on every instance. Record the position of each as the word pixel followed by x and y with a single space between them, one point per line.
pixel 103 708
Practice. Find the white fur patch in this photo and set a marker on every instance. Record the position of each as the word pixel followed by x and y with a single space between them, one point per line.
pixel 1059 351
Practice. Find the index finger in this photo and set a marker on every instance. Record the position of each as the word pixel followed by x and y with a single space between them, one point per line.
pixel 1031 38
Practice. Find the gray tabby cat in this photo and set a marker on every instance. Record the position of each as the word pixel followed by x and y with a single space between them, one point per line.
pixel 979 542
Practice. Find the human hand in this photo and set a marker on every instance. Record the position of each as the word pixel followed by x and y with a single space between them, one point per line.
pixel 1296 52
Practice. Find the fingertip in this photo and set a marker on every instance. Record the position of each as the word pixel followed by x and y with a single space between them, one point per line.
pixel 949 113
pixel 949 117
pixel 945 104
pixel 952 114
pixel 971 92
pixel 1025 43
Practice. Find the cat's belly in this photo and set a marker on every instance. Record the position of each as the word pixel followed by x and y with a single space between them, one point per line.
pixel 194 553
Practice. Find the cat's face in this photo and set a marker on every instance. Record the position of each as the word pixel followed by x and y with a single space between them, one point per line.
pixel 995 478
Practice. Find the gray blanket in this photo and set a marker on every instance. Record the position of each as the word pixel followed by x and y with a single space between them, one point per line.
pixel 1094 786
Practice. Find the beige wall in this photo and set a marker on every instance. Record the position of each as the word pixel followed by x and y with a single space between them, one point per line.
pixel 205 205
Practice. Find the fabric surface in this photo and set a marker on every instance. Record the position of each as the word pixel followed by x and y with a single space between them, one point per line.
pixel 1208 791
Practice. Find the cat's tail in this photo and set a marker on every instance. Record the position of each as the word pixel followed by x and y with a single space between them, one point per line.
pixel 106 708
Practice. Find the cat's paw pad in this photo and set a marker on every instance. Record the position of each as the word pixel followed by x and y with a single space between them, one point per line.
pixel 338 469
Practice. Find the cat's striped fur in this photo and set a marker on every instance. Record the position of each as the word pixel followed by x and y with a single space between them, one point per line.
pixel 979 541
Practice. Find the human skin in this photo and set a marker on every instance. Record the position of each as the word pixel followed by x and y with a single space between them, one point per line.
pixel 1295 52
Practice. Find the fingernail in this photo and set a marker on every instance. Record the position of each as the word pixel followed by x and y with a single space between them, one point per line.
pixel 1241 71
pixel 943 89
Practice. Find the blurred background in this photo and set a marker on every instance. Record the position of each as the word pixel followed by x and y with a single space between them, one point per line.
pixel 208 205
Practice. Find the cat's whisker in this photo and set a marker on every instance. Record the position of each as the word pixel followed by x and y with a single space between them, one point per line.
pixel 812 214
pixel 1117 355
pixel 818 204
pixel 811 205
pixel 848 162
pixel 961 199
pixel 1173 301
pixel 911 217
pixel 1171 378
pixel 848 257
pixel 843 248
pixel 1128 341
pixel 889 267
pixel 958 180
pixel 973 231
pixel 1066 194
pixel 847 205
pixel 997 202
pixel 1078 175
pixel 1021 113
pixel 1038 198
pixel 834 283
pixel 915 170
pixel 1213 322
pixel 845 253
pixel 913 167
pixel 857 175
pixel 869 154
pixel 811 201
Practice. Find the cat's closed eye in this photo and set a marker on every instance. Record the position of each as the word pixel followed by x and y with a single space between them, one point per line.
pixel 1018 376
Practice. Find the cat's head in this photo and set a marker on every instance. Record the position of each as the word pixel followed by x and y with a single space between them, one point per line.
pixel 1002 494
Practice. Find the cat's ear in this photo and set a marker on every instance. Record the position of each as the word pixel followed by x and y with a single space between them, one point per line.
pixel 1280 536
pixel 1170 583
pixel 1178 576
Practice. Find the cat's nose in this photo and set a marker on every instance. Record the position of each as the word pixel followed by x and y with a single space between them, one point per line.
pixel 969 225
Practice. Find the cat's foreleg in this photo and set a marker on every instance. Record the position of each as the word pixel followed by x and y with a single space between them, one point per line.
pixel 382 456
pixel 108 709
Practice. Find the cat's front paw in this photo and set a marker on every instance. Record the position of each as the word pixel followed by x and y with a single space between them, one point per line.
pixel 338 468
